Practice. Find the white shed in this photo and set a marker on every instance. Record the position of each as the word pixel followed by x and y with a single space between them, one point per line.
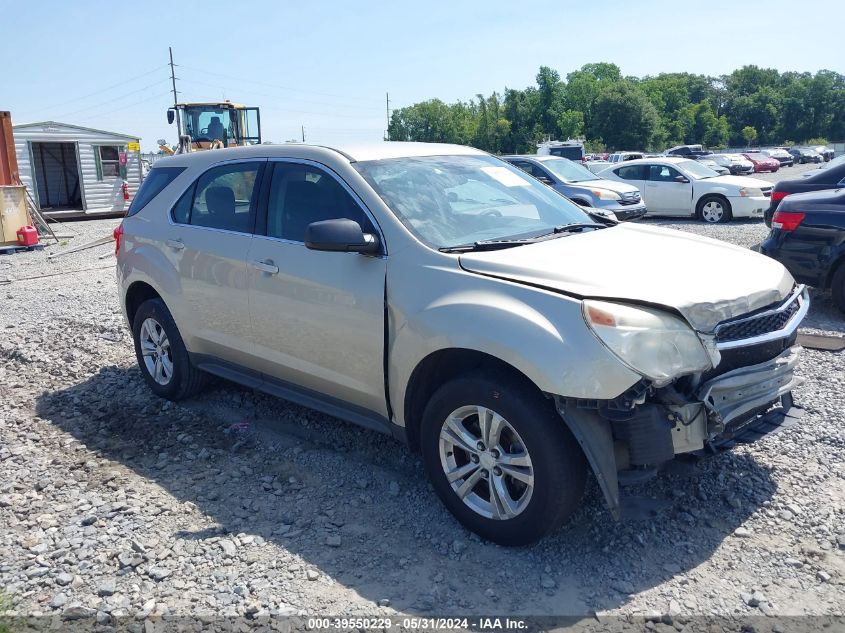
pixel 71 170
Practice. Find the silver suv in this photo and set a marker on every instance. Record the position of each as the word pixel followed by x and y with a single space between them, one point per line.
pixel 442 295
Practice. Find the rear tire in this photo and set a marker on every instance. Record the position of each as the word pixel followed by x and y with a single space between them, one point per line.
pixel 837 287
pixel 541 481
pixel 713 210
pixel 161 353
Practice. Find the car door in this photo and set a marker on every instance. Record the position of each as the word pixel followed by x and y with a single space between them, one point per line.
pixel 213 222
pixel 317 317
pixel 666 195
pixel 635 175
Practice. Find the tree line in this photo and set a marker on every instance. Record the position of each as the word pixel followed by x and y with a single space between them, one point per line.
pixel 750 106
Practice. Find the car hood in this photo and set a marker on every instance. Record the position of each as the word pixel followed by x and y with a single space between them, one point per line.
pixel 705 280
pixel 736 181
pixel 604 183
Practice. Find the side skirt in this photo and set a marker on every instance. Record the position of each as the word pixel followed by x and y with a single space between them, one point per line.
pixel 294 393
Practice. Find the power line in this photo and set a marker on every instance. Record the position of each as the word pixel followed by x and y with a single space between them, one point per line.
pixel 279 87
pixel 276 96
pixel 97 92
pixel 134 103
pixel 102 103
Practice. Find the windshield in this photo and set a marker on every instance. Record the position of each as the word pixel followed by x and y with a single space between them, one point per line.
pixel 454 200
pixel 696 170
pixel 567 170
pixel 208 123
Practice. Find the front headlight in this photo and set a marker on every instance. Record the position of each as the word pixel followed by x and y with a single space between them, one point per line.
pixel 750 192
pixel 651 342
pixel 604 194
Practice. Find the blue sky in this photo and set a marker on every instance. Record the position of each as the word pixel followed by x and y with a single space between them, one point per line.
pixel 327 65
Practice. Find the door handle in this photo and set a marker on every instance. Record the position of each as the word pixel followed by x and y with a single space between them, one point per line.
pixel 176 244
pixel 651 184
pixel 265 267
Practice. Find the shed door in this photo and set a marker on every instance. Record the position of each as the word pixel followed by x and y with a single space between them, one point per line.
pixel 56 173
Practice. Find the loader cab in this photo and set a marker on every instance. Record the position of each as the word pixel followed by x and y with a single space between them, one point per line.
pixel 216 125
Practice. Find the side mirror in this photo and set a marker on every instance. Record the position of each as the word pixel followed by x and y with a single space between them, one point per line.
pixel 340 235
pixel 681 179
pixel 171 116
pixel 545 180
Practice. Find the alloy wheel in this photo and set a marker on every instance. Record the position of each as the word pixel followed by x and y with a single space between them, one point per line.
pixel 155 348
pixel 486 462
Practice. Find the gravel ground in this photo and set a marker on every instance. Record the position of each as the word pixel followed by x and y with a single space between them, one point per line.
pixel 115 504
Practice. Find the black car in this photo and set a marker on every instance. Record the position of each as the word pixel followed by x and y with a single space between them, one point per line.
pixel 803 155
pixel 808 237
pixel 830 176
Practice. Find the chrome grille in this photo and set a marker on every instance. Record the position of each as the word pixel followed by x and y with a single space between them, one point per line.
pixel 773 322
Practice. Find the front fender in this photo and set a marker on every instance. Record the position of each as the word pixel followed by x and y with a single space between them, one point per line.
pixel 540 333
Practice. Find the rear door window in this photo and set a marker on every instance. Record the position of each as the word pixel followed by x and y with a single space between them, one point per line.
pixel 632 172
pixel 224 198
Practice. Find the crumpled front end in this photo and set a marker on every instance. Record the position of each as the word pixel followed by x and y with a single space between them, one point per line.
pixel 756 355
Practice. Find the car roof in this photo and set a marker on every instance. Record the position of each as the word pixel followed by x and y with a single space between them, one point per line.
pixel 352 151
pixel 666 160
pixel 538 157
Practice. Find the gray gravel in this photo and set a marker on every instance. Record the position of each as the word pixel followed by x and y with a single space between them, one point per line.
pixel 117 504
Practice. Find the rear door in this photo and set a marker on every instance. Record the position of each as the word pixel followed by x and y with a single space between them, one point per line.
pixel 317 317
pixel 664 194
pixel 213 225
pixel 635 175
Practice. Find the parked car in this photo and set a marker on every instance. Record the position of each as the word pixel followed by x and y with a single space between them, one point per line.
pixel 687 151
pixel 781 155
pixel 831 176
pixel 682 187
pixel 442 295
pixel 573 150
pixel 761 162
pixel 582 186
pixel 595 166
pixel 834 162
pixel 805 155
pixel 621 157
pixel 808 237
pixel 714 166
pixel 737 164
pixel 825 152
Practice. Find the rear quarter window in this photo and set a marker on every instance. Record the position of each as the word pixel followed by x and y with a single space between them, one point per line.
pixel 154 184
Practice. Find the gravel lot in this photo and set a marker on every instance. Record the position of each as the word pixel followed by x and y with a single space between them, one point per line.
pixel 115 504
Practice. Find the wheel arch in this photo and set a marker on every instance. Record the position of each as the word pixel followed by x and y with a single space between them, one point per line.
pixel 440 367
pixel 712 194
pixel 137 293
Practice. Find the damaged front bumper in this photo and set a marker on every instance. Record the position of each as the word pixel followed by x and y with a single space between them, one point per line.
pixel 630 437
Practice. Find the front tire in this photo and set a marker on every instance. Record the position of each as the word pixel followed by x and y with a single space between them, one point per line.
pixel 501 459
pixel 162 357
pixel 714 210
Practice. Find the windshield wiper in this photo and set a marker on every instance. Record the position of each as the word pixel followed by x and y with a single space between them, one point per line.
pixel 492 245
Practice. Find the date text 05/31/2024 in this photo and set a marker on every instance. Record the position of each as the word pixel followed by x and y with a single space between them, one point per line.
pixel 419 623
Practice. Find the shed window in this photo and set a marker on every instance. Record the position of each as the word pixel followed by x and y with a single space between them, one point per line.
pixel 108 161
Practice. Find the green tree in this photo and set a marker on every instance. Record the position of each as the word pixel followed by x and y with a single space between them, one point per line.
pixel 749 134
pixel 623 117
pixel 570 124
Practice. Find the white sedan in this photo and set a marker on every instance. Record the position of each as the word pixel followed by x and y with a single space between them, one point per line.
pixel 683 187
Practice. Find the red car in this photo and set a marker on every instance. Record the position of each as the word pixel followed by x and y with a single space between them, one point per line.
pixel 762 162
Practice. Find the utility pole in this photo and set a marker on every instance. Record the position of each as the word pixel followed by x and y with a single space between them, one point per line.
pixel 303 133
pixel 175 98
pixel 387 110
